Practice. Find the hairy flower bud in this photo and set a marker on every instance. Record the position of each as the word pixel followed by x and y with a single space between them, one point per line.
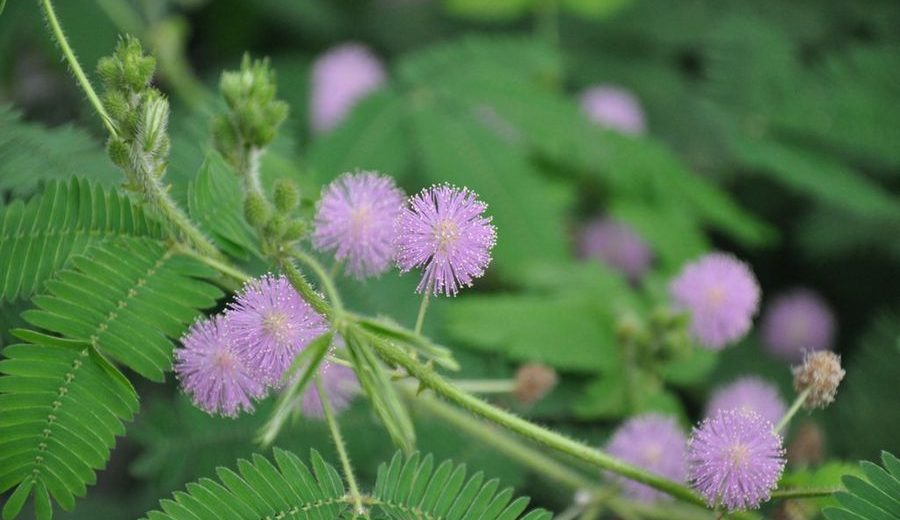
pixel 295 230
pixel 286 196
pixel 250 95
pixel 533 382
pixel 820 373
pixel 119 152
pixel 256 210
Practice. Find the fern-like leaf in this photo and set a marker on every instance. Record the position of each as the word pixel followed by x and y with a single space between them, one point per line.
pixel 215 200
pixel 126 298
pixel 31 153
pixel 405 489
pixel 61 408
pixel 413 488
pixel 38 238
pixel 877 497
pixel 260 489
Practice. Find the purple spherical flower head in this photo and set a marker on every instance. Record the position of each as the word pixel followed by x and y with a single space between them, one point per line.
pixel 614 108
pixel 652 442
pixel 212 373
pixel 797 322
pixel 340 385
pixel 721 294
pixel 749 394
pixel 269 324
pixel 340 78
pixel 355 219
pixel 617 245
pixel 735 459
pixel 444 229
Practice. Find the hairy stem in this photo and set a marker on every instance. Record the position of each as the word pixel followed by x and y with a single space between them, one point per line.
pixel 299 282
pixel 341 447
pixel 814 492
pixel 218 265
pixel 423 308
pixel 77 71
pixel 158 197
pixel 486 386
pixel 502 442
pixel 798 402
pixel 430 379
pixel 327 284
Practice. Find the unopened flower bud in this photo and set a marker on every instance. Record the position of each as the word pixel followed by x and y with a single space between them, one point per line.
pixel 295 230
pixel 286 195
pixel 820 373
pixel 277 226
pixel 256 210
pixel 808 446
pixel 119 152
pixel 533 382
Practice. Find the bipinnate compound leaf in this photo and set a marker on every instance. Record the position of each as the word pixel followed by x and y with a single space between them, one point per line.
pixel 406 489
pixel 61 409
pixel 39 237
pixel 875 497
pixel 128 299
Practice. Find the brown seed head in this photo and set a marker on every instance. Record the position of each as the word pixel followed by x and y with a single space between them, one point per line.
pixel 533 382
pixel 821 373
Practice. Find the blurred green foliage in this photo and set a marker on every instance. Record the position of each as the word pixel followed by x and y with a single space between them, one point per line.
pixel 774 133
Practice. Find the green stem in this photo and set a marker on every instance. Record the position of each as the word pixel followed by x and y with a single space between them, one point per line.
pixel 158 197
pixel 299 282
pixel 423 307
pixel 486 386
pixel 430 379
pixel 341 447
pixel 815 492
pixel 502 442
pixel 326 281
pixel 77 71
pixel 216 264
pixel 798 402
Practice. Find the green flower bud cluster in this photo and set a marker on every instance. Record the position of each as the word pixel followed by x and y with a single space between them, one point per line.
pixel 279 226
pixel 254 113
pixel 139 112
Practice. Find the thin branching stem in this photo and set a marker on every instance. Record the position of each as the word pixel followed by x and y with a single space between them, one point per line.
pixel 77 71
pixel 341 447
pixel 423 308
pixel 798 402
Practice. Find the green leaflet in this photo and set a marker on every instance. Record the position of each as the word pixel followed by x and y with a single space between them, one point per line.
pixel 412 487
pixel 406 488
pixel 127 298
pixel 31 153
pixel 38 238
pixel 372 138
pixel 571 332
pixel 875 497
pixel 61 409
pixel 818 176
pixel 216 202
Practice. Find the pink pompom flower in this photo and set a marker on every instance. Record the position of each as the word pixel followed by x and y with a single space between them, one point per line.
pixel 212 373
pixel 355 219
pixel 735 460
pixel 614 108
pixel 797 322
pixel 751 394
pixel 341 77
pixel 270 323
pixel 721 294
pixel 617 245
pixel 652 442
pixel 444 230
